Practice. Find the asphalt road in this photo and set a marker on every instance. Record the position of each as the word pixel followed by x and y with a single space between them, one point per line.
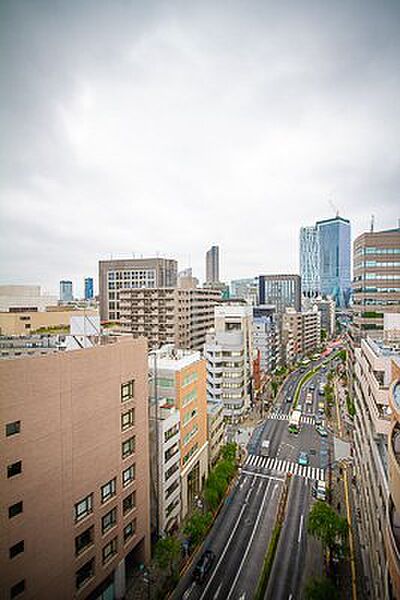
pixel 241 533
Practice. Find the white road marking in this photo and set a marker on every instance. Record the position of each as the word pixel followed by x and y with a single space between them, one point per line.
pixel 259 487
pixel 265 476
pixel 300 528
pixel 313 473
pixel 255 528
pixel 217 592
pixel 243 482
pixel 269 462
pixel 188 591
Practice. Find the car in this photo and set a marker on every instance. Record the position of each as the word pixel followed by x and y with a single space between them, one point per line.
pixel 203 566
pixel 318 420
pixel 312 387
pixel 303 459
pixel 321 430
pixel 288 398
pixel 318 490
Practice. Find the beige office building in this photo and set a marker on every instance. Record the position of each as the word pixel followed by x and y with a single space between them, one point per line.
pixel 303 330
pixel 19 298
pixel 376 281
pixel 169 316
pixel 376 368
pixel 27 322
pixel 74 486
pixel 134 273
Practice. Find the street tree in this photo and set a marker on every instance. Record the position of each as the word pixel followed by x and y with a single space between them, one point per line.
pixel 197 526
pixel 331 529
pixel 167 553
pixel 320 588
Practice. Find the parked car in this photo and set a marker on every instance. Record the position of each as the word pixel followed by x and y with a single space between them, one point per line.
pixel 318 490
pixel 203 566
pixel 321 430
pixel 303 459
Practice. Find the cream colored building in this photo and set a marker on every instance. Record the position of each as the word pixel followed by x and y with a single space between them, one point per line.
pixel 181 382
pixel 16 298
pixel 376 367
pixel 28 322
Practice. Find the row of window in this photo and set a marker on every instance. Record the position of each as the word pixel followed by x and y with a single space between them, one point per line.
pixel 376 263
pixel 189 416
pixel 373 290
pixel 189 397
pixel 86 539
pixel 189 454
pixel 190 435
pixel 190 378
pixel 85 506
pixel 372 250
pixel 147 274
pixel 87 571
pixel 380 276
pixel 171 432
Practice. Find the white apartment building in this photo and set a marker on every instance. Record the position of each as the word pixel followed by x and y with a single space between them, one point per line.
pixel 374 373
pixel 165 459
pixel 215 429
pixel 266 341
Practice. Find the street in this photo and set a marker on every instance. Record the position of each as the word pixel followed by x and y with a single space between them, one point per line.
pixel 241 533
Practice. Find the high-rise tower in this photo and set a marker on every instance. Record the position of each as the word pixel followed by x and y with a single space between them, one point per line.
pixel 212 265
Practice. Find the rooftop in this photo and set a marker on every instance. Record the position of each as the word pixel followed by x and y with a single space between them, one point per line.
pixel 169 357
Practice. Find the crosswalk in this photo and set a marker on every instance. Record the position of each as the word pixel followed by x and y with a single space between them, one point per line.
pixel 305 419
pixel 284 466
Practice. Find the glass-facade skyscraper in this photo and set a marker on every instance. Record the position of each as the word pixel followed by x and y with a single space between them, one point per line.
pixel 325 260
pixel 309 262
pixel 66 294
pixel 88 288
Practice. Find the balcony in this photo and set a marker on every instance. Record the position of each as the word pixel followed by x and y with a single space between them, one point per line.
pixel 392 543
pixel 394 464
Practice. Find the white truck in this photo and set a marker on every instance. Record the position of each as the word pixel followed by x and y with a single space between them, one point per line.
pixel 265 448
pixel 294 421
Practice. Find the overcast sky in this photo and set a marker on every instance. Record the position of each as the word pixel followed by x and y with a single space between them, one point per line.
pixel 164 127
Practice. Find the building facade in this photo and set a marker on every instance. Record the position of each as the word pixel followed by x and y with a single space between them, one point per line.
pixel 28 322
pixel 215 429
pixel 376 281
pixel 302 331
pixel 180 316
pixel 66 293
pixel 116 275
pixel 309 261
pixel 392 530
pixel 283 291
pixel 212 265
pixel 376 368
pixel 165 454
pixel 20 298
pixel 181 382
pixel 247 289
pixel 76 423
pixel 266 337
pixel 89 288
pixel 334 259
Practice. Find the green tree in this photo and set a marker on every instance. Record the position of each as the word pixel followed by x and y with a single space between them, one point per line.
pixel 324 335
pixel 228 451
pixel 274 385
pixel 197 526
pixel 320 588
pixel 167 553
pixel 330 528
pixel 342 355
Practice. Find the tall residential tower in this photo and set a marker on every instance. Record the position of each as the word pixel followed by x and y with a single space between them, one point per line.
pixel 212 265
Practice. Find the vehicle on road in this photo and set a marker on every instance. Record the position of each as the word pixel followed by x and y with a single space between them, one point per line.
pixel 288 398
pixel 321 389
pixel 315 356
pixel 305 362
pixel 303 459
pixel 318 490
pixel 309 398
pixel 203 566
pixel 294 421
pixel 321 408
pixel 322 431
pixel 312 387
pixel 265 448
pixel 318 420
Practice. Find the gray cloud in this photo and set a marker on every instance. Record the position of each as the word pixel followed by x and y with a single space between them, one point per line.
pixel 165 127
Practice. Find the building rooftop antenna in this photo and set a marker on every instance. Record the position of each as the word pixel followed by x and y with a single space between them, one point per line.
pixel 372 223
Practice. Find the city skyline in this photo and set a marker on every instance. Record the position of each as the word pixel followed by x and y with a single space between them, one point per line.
pixel 249 141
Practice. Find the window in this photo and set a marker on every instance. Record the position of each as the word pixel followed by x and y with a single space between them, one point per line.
pixel 165 382
pixel 108 490
pixel 174 486
pixel 84 540
pixel 128 475
pixel 190 378
pixel 15 509
pixel 17 589
pixel 190 397
pixel 171 432
pixel 127 390
pixel 109 520
pixel 169 472
pixel 171 506
pixel 84 574
pixel 129 503
pixel 128 419
pixel 110 550
pixel 128 447
pixel 129 530
pixel 17 549
pixel 13 428
pixel 14 469
pixel 83 508
pixel 168 454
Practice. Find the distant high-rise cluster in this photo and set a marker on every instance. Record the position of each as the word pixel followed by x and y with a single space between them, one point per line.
pixel 325 260
pixel 66 294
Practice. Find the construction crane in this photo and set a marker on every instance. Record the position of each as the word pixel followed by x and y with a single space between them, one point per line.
pixel 334 208
pixel 372 223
